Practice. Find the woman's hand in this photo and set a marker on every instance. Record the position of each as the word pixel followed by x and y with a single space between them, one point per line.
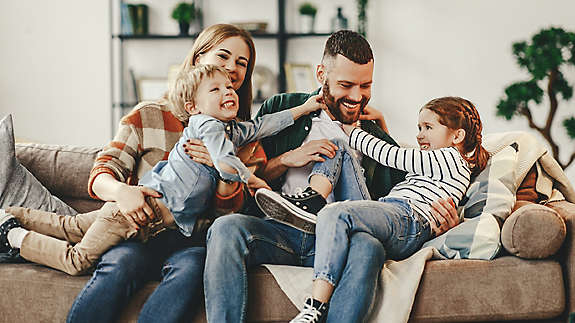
pixel 198 152
pixel 445 216
pixel 255 183
pixel 131 202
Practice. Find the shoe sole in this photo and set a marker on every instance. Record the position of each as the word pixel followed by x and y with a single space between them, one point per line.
pixel 275 207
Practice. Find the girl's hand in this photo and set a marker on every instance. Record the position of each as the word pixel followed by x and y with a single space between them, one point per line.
pixel 255 183
pixel 371 113
pixel 198 152
pixel 131 202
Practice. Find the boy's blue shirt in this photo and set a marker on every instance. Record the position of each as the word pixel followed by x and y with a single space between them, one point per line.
pixel 379 179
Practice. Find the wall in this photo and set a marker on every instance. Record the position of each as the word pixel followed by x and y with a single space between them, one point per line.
pixel 55 72
pixel 55 67
pixel 431 48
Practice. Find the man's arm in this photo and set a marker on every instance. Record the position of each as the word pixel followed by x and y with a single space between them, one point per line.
pixel 298 157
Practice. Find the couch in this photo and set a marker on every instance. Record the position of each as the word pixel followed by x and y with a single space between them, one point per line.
pixel 508 288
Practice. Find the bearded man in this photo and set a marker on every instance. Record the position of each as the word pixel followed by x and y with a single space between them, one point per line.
pixel 238 242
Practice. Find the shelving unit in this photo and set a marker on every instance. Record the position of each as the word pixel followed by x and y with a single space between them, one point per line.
pixel 117 65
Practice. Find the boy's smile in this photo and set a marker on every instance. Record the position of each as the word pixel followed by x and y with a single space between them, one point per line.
pixel 216 97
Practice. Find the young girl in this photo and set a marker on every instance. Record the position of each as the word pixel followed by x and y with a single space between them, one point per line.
pixel 206 92
pixel 450 154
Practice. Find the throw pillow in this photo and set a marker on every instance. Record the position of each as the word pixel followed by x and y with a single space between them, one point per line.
pixel 486 204
pixel 533 231
pixel 18 187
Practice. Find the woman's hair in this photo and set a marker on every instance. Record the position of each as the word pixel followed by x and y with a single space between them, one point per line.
pixel 210 37
pixel 185 85
pixel 458 113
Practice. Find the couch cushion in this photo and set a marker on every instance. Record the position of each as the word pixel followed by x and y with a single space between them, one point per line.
pixel 18 187
pixel 533 231
pixel 507 288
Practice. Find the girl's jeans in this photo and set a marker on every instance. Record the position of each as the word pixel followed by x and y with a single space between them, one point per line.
pixel 344 172
pixel 400 230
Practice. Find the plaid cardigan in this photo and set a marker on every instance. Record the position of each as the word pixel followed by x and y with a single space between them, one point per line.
pixel 145 136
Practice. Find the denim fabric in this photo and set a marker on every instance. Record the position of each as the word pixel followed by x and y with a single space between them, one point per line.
pixel 392 222
pixel 125 268
pixel 344 172
pixel 187 189
pixel 238 242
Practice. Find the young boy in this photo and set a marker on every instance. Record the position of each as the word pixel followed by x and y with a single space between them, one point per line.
pixel 186 187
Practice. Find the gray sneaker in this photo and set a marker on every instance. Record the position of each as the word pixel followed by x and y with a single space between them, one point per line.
pixel 297 210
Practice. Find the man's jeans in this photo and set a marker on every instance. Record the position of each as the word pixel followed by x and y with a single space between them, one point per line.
pixel 392 221
pixel 344 172
pixel 237 242
pixel 127 267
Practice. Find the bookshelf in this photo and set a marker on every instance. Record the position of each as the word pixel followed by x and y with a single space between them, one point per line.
pixel 120 105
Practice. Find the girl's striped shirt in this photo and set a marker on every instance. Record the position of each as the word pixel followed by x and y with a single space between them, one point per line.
pixel 431 175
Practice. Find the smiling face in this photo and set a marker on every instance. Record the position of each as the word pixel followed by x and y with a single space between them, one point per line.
pixel 346 87
pixel 432 134
pixel 233 55
pixel 216 97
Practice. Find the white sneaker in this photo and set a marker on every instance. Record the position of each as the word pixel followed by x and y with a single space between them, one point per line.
pixel 311 313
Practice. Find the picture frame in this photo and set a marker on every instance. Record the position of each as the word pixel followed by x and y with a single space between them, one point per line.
pixel 151 88
pixel 300 78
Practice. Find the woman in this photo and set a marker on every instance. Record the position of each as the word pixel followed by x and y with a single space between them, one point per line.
pixel 145 136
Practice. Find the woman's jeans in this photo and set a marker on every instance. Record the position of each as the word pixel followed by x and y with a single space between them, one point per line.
pixel 398 228
pixel 238 242
pixel 344 172
pixel 127 267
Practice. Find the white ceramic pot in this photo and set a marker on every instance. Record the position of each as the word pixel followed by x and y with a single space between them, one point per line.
pixel 307 23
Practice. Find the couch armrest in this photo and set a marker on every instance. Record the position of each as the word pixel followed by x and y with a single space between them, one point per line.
pixel 567 254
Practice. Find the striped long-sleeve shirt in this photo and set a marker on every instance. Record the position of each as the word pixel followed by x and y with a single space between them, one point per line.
pixel 431 175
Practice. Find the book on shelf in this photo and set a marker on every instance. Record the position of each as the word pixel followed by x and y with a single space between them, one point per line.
pixel 126 26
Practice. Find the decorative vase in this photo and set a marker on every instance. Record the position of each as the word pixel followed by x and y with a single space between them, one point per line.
pixel 184 28
pixel 307 24
pixel 339 22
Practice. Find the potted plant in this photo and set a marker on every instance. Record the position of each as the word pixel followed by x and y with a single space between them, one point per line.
pixel 307 13
pixel 547 59
pixel 362 17
pixel 184 13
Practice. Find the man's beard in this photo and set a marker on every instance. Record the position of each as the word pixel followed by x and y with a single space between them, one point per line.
pixel 336 107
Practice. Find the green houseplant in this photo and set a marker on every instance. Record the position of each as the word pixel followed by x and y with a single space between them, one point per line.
pixel 307 11
pixel 362 17
pixel 184 13
pixel 549 51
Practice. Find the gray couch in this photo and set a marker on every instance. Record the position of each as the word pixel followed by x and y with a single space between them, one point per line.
pixel 505 289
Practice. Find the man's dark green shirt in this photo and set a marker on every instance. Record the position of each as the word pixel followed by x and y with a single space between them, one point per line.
pixel 379 179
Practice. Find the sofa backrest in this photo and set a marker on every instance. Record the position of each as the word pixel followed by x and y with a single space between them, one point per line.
pixel 63 170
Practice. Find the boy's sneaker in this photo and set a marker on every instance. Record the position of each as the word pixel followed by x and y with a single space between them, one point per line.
pixel 297 210
pixel 313 311
pixel 7 223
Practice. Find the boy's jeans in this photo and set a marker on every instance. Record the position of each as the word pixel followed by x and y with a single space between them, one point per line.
pixel 51 237
pixel 400 230
pixel 344 172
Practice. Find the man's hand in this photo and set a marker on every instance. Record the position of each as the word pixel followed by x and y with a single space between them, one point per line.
pixel 309 152
pixel 371 113
pixel 131 202
pixel 445 216
pixel 255 183
pixel 198 152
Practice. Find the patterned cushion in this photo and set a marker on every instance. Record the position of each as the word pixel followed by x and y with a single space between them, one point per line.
pixel 486 204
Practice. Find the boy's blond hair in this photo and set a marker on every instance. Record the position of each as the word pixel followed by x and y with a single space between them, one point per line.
pixel 184 87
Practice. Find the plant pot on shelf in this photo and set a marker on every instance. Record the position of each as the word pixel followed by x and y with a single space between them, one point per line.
pixel 307 24
pixel 184 28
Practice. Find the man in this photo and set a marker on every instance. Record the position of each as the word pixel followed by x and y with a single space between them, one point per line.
pixel 238 242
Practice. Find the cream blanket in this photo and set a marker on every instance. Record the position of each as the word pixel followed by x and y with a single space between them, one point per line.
pixel 399 279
